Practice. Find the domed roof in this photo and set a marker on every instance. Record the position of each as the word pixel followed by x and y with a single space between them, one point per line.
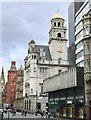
pixel 20 68
pixel 57 15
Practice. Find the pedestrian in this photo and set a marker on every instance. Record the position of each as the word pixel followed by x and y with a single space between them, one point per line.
pixel 13 111
pixel 25 112
pixel 42 114
pixel 85 115
pixel 2 114
pixel 22 111
pixel 48 114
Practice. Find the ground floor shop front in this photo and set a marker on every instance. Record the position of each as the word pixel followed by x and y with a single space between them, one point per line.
pixel 66 105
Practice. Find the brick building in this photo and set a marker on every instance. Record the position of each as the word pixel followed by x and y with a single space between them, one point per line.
pixel 11 84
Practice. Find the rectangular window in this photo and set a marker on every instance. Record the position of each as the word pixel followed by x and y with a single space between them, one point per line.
pixel 80 54
pixel 43 69
pixel 79 45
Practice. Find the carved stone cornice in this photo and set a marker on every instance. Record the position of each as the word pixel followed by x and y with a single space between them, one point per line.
pixel 87 76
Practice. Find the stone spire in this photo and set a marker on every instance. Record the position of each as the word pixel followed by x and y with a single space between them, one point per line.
pixel 2 77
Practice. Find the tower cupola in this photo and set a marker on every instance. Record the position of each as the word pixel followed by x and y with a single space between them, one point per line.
pixel 57 31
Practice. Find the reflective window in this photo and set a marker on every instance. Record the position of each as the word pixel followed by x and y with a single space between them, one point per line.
pixel 79 45
pixel 83 11
pixel 80 34
pixel 78 26
pixel 80 54
pixel 81 64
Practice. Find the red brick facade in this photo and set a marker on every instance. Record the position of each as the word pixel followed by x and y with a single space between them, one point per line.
pixel 11 84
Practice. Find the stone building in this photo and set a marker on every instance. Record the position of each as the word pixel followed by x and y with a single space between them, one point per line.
pixel 2 88
pixel 65 93
pixel 19 102
pixel 87 62
pixel 42 62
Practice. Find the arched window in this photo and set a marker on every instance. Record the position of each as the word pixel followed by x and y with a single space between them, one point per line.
pixel 59 60
pixel 25 104
pixel 29 104
pixel 59 35
pixel 58 24
pixel 34 56
pixel 55 24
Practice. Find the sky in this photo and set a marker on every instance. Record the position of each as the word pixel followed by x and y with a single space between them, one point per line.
pixel 20 23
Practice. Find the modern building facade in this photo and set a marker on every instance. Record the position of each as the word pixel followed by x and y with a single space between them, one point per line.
pixel 73 8
pixel 76 37
pixel 65 90
pixel 44 61
pixel 85 8
pixel 87 62
pixel 19 101
pixel 10 88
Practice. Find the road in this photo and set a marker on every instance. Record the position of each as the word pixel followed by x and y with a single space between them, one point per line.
pixel 19 116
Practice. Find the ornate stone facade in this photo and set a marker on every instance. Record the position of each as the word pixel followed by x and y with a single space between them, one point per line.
pixel 44 61
pixel 87 62
pixel 19 102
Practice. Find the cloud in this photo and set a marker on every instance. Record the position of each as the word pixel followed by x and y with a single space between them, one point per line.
pixel 23 21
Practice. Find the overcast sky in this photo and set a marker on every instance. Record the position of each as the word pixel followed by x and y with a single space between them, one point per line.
pixel 23 21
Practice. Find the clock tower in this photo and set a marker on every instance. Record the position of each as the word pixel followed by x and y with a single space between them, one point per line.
pixel 57 40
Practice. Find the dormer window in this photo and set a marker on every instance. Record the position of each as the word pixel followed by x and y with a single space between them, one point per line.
pixel 59 35
pixel 58 24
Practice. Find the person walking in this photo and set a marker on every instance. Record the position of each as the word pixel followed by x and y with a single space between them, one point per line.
pixel 25 112
pixel 49 114
pixel 84 115
pixel 22 111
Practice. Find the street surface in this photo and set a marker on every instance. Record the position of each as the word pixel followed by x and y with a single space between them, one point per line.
pixel 19 116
